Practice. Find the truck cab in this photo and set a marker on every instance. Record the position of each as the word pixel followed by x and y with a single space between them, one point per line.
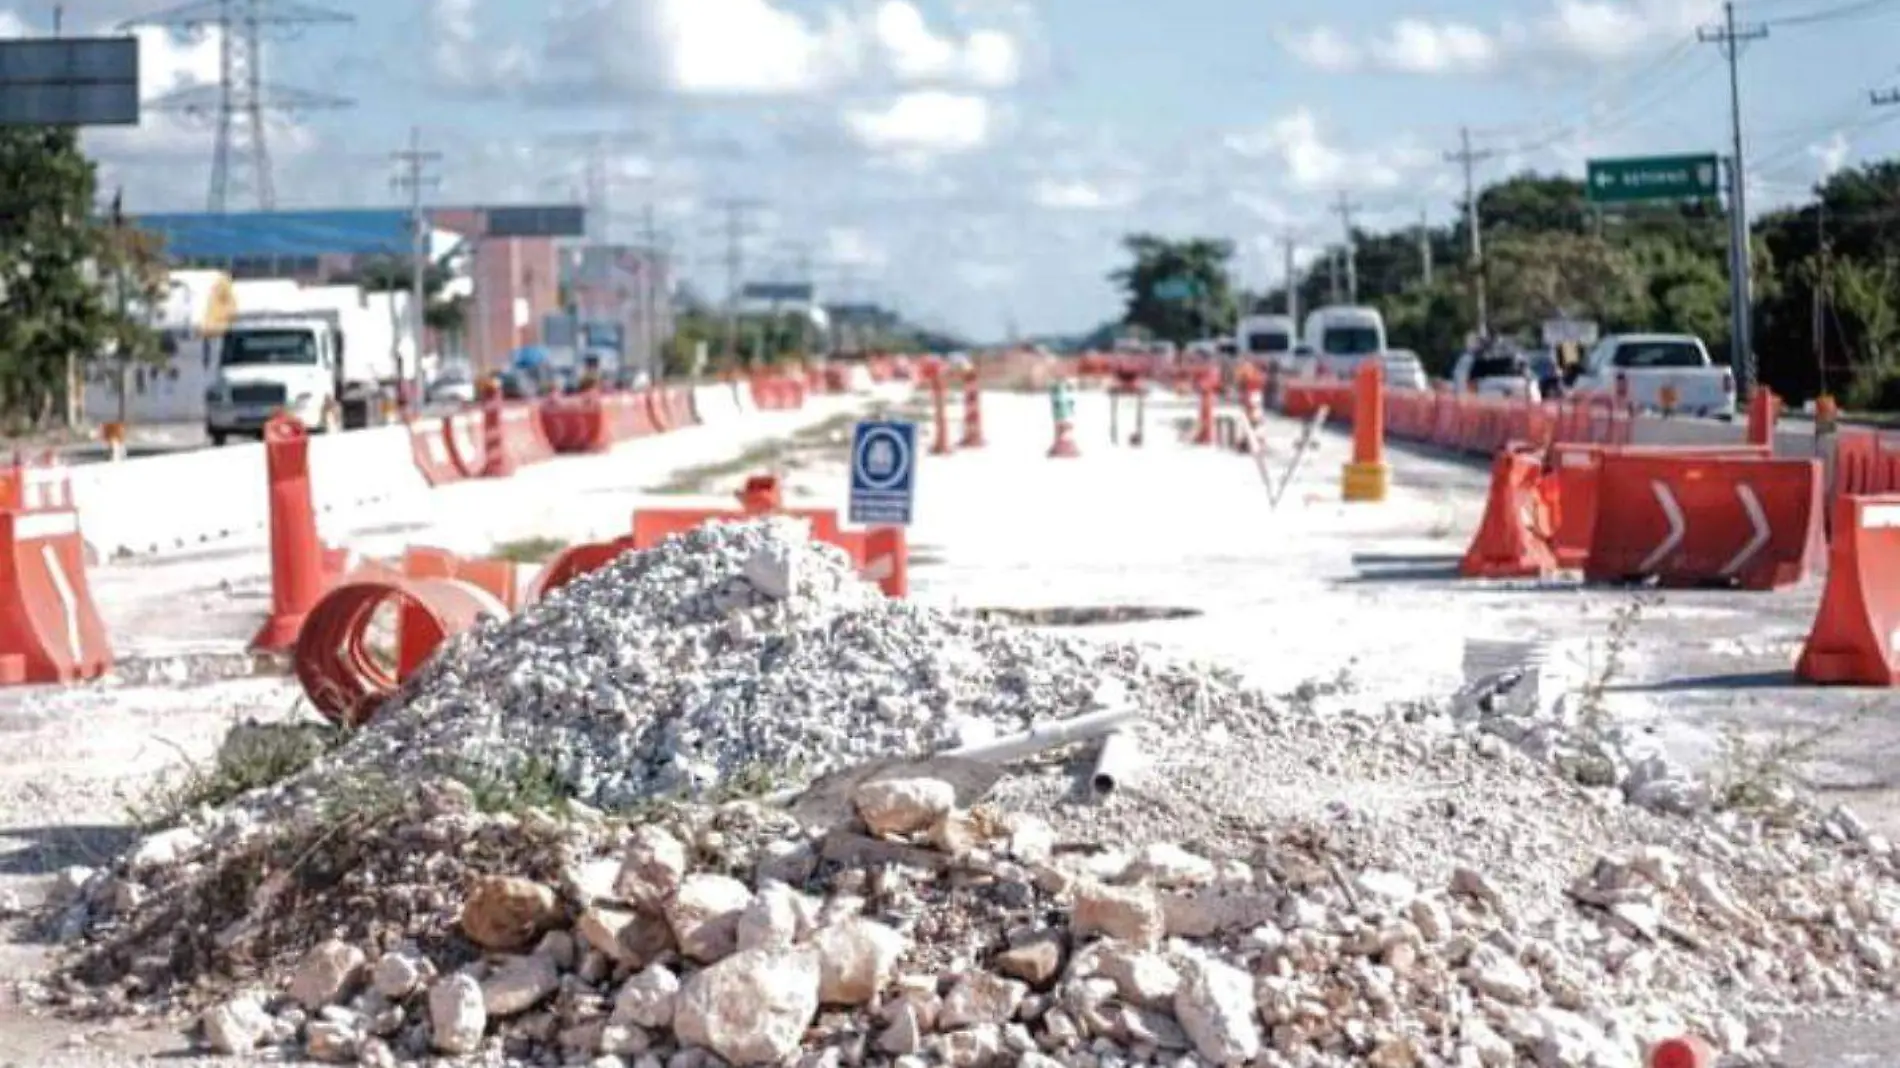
pixel 266 364
pixel 1342 336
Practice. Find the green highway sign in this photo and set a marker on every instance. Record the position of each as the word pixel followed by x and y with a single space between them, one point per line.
pixel 1618 181
pixel 1177 289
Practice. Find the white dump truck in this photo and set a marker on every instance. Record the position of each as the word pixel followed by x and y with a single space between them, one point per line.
pixel 332 367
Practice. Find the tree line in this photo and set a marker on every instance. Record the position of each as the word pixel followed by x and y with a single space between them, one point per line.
pixel 1826 310
pixel 76 284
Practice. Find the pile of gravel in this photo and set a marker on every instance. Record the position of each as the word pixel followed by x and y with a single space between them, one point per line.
pixel 737 651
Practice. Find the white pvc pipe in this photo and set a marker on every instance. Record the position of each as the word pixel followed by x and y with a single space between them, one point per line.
pixel 1117 763
pixel 1050 734
pixel 1299 452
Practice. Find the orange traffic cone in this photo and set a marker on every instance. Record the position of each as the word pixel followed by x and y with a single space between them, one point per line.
pixel 1064 446
pixel 301 569
pixel 1686 1052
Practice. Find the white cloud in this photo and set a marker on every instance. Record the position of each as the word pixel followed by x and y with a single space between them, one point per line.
pixel 729 48
pixel 1569 31
pixel 1831 154
pixel 930 122
pixel 1077 195
pixel 851 245
pixel 987 276
pixel 1414 46
pixel 1310 163
pixel 1323 48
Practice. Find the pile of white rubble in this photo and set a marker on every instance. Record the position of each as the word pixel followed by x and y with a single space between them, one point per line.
pixel 1281 886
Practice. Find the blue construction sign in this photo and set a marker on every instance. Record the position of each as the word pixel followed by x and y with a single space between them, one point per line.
pixel 883 473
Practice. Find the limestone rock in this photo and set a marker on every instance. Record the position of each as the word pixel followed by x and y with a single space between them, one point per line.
pixel 857 958
pixel 1131 914
pixel 457 1015
pixel 903 806
pixel 980 998
pixel 772 919
pixel 506 914
pixel 752 1007
pixel 652 869
pixel 236 1026
pixel 397 975
pixel 518 985
pixel 331 1043
pixel 1037 961
pixel 326 974
pixel 647 999
pixel 704 915
pixel 1215 1006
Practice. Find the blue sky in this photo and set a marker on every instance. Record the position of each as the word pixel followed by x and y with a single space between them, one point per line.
pixel 974 161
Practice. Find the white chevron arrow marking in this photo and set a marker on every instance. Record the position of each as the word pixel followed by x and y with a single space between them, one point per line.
pixel 1677 528
pixel 1756 518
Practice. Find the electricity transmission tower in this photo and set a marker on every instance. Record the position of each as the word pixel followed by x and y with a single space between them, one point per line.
pixel 240 159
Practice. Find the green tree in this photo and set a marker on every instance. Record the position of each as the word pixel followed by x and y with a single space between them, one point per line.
pixel 1177 290
pixel 57 316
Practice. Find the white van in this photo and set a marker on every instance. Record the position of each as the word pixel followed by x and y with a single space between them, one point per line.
pixel 1267 338
pixel 1341 336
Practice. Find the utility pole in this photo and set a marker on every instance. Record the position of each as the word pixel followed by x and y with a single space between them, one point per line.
pixel 1730 38
pixel 1817 327
pixel 736 232
pixel 1290 246
pixel 1332 273
pixel 242 97
pixel 1345 208
pixel 653 262
pixel 1425 246
pixel 413 178
pixel 1469 159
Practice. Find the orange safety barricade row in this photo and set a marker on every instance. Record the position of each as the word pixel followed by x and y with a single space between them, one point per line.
pixel 776 393
pixel 1855 639
pixel 1697 520
pixel 679 407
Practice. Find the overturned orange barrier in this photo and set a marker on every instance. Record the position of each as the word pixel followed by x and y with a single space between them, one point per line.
pixel 344 674
pixel 50 629
pixel 1852 641
pixel 1513 538
pixel 1696 521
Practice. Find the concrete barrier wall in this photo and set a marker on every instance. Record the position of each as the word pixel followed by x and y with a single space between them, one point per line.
pixel 714 405
pixel 164 503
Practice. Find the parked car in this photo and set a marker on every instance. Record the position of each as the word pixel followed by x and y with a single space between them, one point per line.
pixel 1547 372
pixel 1404 370
pixel 453 386
pixel 1639 367
pixel 1495 372
pixel 517 385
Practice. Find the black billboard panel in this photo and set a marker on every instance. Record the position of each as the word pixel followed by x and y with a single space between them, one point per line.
pixel 540 220
pixel 69 81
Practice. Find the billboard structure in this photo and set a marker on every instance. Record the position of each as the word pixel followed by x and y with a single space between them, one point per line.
pixel 69 81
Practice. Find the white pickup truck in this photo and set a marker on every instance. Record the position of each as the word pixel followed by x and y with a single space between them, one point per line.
pixel 1639 367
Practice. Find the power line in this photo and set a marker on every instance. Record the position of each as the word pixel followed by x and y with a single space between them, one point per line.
pixel 1469 158
pixel 1730 38
pixel 241 152
pixel 1840 13
pixel 413 178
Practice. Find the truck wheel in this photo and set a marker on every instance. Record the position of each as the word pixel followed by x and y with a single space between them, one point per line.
pixel 217 438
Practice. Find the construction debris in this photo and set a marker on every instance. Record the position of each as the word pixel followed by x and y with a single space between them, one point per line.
pixel 1493 883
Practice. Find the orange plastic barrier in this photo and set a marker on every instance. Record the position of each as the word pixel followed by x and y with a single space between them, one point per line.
pixel 301 566
pixel 778 393
pixel 50 629
pixel 972 413
pixel 345 677
pixel 467 441
pixel 883 557
pixel 1687 1052
pixel 1574 479
pixel 1853 640
pixel 574 561
pixel 941 443
pixel 1513 538
pixel 429 444
pixel 417 636
pixel 1696 521
pixel 658 412
pixel 1764 410
pixel 679 408
pixel 36 485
